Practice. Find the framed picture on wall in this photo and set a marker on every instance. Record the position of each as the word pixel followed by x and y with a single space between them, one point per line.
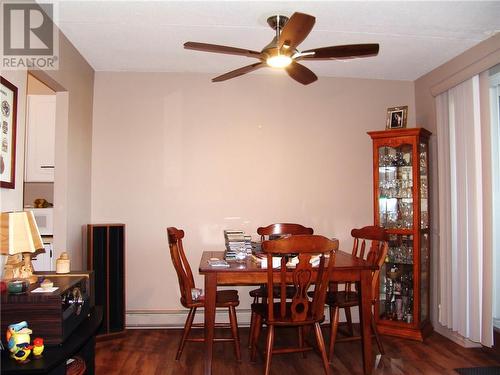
pixel 8 106
pixel 397 117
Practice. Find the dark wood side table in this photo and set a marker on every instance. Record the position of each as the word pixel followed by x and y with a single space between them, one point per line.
pixel 53 362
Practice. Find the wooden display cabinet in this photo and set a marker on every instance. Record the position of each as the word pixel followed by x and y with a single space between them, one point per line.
pixel 401 205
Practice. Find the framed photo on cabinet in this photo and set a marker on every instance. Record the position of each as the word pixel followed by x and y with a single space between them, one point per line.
pixel 397 117
pixel 8 107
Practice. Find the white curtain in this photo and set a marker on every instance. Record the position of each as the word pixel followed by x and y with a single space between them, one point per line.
pixel 462 288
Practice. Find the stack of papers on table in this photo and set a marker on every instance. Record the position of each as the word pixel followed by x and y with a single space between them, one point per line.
pixel 261 260
pixel 238 244
pixel 292 262
pixel 218 263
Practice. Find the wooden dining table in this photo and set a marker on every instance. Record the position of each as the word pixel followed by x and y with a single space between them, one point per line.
pixel 247 272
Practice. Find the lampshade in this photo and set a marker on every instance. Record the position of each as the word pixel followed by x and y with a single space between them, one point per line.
pixel 19 233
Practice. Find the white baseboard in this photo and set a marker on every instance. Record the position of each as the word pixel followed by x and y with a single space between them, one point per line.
pixel 137 319
pixel 455 337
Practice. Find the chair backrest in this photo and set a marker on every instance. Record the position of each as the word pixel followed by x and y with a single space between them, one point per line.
pixel 301 277
pixel 283 229
pixel 181 265
pixel 377 251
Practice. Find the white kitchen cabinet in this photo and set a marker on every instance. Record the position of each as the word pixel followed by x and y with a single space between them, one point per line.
pixel 44 261
pixel 40 138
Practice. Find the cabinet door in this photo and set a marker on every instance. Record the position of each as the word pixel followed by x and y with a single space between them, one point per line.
pixel 396 204
pixel 40 138
pixel 395 186
pixel 424 232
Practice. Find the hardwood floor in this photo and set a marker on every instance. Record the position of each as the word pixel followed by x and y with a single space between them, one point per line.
pixel 152 352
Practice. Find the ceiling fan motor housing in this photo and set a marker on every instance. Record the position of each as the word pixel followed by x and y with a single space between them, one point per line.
pixel 277 21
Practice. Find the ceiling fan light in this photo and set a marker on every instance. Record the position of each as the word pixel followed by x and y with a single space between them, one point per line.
pixel 279 61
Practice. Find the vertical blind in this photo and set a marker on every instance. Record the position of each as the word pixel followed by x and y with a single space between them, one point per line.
pixel 495 141
pixel 462 289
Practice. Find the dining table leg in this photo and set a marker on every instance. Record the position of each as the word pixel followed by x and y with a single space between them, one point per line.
pixel 210 295
pixel 365 316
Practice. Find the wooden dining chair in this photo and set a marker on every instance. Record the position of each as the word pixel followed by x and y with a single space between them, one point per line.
pixel 266 233
pixel 370 243
pixel 224 299
pixel 300 311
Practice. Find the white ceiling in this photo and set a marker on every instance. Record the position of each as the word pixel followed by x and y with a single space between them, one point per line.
pixel 414 37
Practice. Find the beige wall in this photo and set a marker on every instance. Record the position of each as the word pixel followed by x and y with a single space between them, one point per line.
pixel 74 81
pixel 36 87
pixel 473 61
pixel 178 150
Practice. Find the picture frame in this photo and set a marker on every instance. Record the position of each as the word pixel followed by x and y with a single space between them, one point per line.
pixel 8 128
pixel 397 117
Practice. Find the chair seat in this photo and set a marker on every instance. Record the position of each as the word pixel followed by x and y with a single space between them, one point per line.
pixel 224 298
pixel 342 299
pixel 227 298
pixel 261 292
pixel 262 310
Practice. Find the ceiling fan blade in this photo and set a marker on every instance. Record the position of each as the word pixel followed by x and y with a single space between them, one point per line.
pixel 300 73
pixel 238 72
pixel 348 51
pixel 296 30
pixel 215 48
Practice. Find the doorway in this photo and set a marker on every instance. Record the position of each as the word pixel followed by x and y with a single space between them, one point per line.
pixel 39 166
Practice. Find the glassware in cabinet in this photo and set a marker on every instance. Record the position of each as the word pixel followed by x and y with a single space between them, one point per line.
pixel 401 205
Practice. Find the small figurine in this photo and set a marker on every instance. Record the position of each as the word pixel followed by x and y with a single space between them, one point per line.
pixel 18 339
pixel 38 347
pixel 42 203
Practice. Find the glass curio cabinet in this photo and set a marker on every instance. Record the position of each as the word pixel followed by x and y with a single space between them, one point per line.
pixel 401 205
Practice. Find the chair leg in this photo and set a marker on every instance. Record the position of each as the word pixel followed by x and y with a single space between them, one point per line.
pixel 252 323
pixel 333 330
pixel 301 330
pixel 377 337
pixel 269 348
pixel 348 319
pixel 255 337
pixel 185 334
pixel 321 346
pixel 234 331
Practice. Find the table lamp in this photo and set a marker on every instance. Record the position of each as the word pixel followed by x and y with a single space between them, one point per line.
pixel 19 238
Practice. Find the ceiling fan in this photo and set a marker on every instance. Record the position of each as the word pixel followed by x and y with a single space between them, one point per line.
pixel 282 51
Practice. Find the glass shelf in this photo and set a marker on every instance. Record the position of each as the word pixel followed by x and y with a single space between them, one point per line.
pixel 395 186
